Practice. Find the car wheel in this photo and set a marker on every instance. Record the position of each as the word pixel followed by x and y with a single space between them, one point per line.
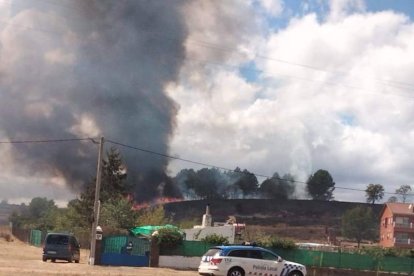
pixel 236 272
pixel 295 273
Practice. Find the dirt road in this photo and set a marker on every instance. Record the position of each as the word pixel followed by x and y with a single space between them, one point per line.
pixel 17 258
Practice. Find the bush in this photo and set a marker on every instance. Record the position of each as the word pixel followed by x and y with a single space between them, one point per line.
pixel 169 237
pixel 274 242
pixel 379 252
pixel 215 239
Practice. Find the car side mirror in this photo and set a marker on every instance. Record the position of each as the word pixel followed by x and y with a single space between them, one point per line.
pixel 279 259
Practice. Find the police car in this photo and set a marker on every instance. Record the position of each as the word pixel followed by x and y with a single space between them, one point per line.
pixel 241 260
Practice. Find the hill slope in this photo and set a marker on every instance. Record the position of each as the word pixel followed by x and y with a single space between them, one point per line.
pixel 305 220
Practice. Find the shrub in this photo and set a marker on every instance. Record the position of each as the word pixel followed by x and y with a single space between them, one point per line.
pixel 379 252
pixel 215 239
pixel 169 237
pixel 274 242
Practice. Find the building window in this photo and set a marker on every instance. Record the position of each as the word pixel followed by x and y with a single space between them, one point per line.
pixel 402 221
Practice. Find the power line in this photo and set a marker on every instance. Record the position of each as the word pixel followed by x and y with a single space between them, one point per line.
pixel 177 158
pixel 227 169
pixel 46 141
pixel 172 157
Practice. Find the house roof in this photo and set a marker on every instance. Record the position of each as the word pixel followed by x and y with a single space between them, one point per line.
pixel 400 208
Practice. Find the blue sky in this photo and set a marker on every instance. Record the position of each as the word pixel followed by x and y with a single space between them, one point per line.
pixel 294 8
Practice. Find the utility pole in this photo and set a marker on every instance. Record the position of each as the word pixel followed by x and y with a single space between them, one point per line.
pixel 96 204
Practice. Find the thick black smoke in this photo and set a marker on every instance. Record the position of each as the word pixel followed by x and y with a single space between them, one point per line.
pixel 85 68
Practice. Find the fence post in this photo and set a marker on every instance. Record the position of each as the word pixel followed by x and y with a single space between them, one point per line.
pixel 340 258
pixel 321 259
pixel 154 252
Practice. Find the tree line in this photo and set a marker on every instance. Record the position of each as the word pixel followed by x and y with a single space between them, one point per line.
pixel 119 210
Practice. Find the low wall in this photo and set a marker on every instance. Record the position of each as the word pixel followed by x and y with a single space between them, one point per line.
pixel 316 271
pixel 180 262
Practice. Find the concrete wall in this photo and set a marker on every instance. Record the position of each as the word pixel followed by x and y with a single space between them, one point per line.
pixel 196 234
pixel 180 262
pixel 346 272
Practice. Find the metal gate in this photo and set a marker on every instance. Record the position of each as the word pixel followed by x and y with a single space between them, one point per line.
pixel 125 251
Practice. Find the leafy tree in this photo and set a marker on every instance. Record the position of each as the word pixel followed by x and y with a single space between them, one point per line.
pixel 374 192
pixel 277 187
pixel 169 237
pixel 113 182
pixel 403 191
pixel 247 182
pixel 40 206
pixel 392 199
pixel 358 223
pixel 206 183
pixel 152 216
pixel 118 214
pixel 320 185
pixel 40 214
pixel 113 186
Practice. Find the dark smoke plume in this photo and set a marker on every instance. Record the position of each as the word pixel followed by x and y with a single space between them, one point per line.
pixel 85 68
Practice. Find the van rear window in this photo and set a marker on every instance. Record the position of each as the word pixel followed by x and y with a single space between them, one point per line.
pixel 57 239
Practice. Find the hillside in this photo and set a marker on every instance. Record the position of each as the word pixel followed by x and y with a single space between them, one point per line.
pixel 6 210
pixel 305 220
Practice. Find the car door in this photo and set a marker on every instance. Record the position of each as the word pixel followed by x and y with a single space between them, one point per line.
pixel 272 262
pixel 237 257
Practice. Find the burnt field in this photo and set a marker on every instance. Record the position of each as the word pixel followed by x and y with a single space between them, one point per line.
pixel 267 211
pixel 300 220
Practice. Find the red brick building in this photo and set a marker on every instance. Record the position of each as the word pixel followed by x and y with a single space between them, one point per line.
pixel 397 225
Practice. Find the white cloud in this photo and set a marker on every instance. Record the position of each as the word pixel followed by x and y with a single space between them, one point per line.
pixel 352 115
pixel 273 7
pixel 341 8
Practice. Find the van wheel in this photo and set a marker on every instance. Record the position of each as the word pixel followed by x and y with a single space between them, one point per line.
pixel 77 261
pixel 44 259
pixel 236 272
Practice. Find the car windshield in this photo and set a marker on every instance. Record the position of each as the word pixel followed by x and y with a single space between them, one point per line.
pixel 57 239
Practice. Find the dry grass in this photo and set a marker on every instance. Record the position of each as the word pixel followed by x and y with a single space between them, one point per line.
pixel 296 233
pixel 5 233
pixel 18 258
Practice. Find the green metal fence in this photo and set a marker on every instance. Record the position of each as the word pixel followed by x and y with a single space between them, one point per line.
pixel 312 258
pixel 35 237
pixel 187 249
pixel 117 244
